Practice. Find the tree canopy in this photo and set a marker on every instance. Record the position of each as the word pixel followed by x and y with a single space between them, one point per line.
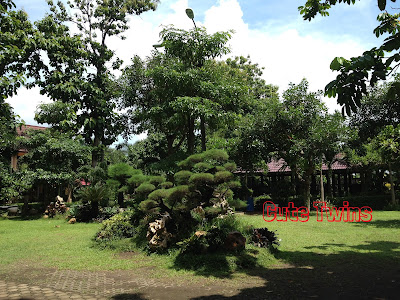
pixel 76 73
pixel 358 73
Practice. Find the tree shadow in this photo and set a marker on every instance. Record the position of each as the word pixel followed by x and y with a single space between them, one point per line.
pixel 25 217
pixel 380 224
pixel 220 265
pixel 349 273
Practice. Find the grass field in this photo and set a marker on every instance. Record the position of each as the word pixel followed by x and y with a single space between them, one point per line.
pixel 329 260
pixel 54 243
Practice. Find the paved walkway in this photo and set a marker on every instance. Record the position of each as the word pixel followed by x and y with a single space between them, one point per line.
pixel 11 290
pixel 38 284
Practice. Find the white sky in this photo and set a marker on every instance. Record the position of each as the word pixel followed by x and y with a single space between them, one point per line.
pixel 271 32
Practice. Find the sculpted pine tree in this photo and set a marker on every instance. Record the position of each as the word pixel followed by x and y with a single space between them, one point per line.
pixel 76 71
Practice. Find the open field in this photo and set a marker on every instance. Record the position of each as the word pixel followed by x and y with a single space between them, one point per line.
pixel 318 259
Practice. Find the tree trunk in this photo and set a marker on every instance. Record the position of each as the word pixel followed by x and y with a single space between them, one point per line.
pixel 170 144
pixel 190 138
pixel 392 185
pixel 329 183
pixel 95 151
pixel 203 133
pixel 121 199
pixel 306 191
pixel 69 194
pixel 322 185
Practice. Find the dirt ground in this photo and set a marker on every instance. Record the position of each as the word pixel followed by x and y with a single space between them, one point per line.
pixel 348 279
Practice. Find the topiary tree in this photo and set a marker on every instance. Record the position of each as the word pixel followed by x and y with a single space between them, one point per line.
pixel 119 173
pixel 203 190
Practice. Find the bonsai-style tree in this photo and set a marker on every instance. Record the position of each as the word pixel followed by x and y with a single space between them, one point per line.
pixel 203 190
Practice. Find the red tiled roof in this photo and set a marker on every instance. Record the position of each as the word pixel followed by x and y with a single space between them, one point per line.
pixel 279 166
pixel 21 130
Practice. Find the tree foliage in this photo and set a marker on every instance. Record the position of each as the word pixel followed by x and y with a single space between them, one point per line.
pixel 76 73
pixel 357 73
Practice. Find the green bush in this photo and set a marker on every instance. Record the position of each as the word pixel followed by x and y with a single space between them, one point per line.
pixel 201 178
pixel 157 180
pixel 260 200
pixel 150 206
pixel 176 194
pixel 136 180
pixel 230 166
pixel 182 177
pixel 159 195
pixel 377 202
pixel 82 212
pixel 223 176
pixel 394 207
pixel 166 185
pixel 107 212
pixel 202 167
pixel 145 188
pixel 117 227
pixel 120 171
pixel 211 236
pixel 215 156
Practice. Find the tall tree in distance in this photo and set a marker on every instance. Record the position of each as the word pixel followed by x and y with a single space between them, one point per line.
pixel 76 73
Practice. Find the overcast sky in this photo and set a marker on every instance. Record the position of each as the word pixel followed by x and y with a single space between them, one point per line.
pixel 272 32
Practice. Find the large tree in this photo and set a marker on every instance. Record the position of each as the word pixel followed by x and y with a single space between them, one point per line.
pixel 77 74
pixel 16 48
pixel 185 94
pixel 357 73
pixel 299 130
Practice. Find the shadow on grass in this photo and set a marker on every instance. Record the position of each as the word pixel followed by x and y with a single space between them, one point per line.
pixel 23 218
pixel 364 271
pixel 380 224
pixel 220 265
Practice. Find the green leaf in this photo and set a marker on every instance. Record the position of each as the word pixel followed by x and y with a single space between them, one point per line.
pixel 190 13
pixel 337 63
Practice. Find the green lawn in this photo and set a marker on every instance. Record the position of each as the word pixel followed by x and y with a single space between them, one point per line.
pixel 54 243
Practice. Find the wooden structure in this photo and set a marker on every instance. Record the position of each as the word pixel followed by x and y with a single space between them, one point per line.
pixel 22 131
pixel 340 178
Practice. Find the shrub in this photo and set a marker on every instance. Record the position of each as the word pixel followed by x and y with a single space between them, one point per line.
pixel 376 202
pixel 166 185
pixel 202 167
pixel 264 238
pixel 120 171
pixel 156 180
pixel 223 176
pixel 201 178
pixel 215 156
pixel 150 206
pixel 145 188
pixel 136 180
pixel 230 166
pixel 82 212
pixel 182 177
pixel 210 237
pixel 260 200
pixel 159 195
pixel 93 193
pixel 117 227
pixel 107 212
pixel 176 194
